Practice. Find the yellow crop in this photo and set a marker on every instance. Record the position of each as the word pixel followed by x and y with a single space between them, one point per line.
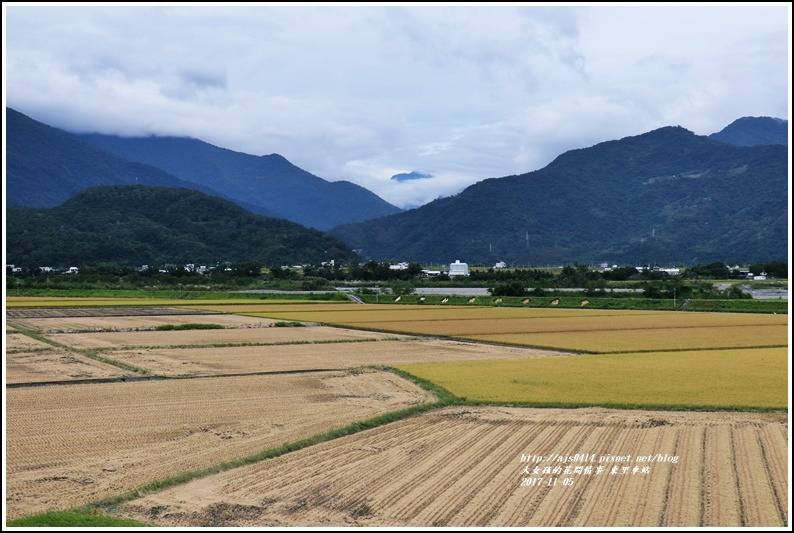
pixel 746 378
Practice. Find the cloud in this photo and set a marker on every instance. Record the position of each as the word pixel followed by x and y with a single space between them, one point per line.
pixel 363 93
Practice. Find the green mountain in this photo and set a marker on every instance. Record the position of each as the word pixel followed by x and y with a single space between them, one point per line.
pixel 269 181
pixel 45 166
pixel 754 131
pixel 667 196
pixel 134 225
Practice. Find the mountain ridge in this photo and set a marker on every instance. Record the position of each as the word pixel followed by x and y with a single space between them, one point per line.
pixel 136 224
pixel 269 180
pixel 666 195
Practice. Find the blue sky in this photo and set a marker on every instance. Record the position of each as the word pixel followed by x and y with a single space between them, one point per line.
pixel 364 92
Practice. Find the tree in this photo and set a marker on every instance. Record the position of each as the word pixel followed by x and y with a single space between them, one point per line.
pixel 401 288
pixel 509 288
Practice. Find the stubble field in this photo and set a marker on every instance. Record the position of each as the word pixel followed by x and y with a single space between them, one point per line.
pixel 72 444
pixel 462 467
pixel 457 466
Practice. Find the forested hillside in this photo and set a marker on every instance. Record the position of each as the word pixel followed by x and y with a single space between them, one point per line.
pixel 135 225
pixel 665 196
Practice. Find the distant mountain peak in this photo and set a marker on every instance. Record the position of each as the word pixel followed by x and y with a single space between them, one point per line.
pixel 754 131
pixel 410 176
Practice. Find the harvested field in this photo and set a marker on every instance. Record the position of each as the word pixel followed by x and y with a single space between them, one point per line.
pixel 107 323
pixel 56 364
pixel 462 467
pixel 247 359
pixel 19 342
pixel 72 444
pixel 213 337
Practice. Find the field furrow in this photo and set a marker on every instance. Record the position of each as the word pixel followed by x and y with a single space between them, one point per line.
pixel 721 501
pixel 759 501
pixel 461 467
pixel 682 503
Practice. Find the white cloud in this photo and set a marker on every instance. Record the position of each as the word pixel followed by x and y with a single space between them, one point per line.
pixel 366 92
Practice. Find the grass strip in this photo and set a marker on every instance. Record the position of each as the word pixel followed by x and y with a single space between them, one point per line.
pixel 445 398
pixel 180 327
pixel 235 344
pixel 270 453
pixel 87 353
pixel 73 519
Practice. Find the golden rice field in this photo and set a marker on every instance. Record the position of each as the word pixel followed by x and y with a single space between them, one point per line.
pixel 733 379
pixel 75 443
pixel 590 331
pixel 337 313
pixel 484 325
pixel 652 339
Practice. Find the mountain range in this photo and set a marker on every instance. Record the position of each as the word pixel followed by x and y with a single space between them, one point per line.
pixel 47 166
pixel 664 196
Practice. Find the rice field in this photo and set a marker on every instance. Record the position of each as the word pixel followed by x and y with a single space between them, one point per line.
pixel 710 379
pixel 457 466
pixel 581 330
pixel 651 339
pixel 465 467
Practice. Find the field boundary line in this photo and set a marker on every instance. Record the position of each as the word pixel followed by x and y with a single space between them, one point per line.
pixel 87 353
pixel 160 377
pixel 233 344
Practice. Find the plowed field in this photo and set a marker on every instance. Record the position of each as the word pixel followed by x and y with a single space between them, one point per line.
pixel 463 467
pixel 72 444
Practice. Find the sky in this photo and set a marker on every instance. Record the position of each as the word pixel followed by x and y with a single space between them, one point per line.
pixel 455 93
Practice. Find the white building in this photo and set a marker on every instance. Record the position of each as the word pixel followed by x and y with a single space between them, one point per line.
pixel 458 269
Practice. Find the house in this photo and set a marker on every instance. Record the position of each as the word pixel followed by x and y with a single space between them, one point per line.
pixel 72 270
pixel 500 264
pixel 458 269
